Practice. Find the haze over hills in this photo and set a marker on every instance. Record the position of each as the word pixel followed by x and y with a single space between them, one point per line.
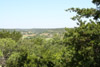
pixel 37 30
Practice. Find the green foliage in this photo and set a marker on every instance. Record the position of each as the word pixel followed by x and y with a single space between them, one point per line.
pixel 7 34
pixel 1 54
pixel 7 46
pixel 84 12
pixel 96 2
pixel 42 53
pixel 22 59
pixel 85 38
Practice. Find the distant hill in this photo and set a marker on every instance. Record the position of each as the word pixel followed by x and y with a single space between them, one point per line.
pixel 37 30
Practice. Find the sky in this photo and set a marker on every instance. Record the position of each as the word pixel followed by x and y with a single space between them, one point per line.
pixel 39 13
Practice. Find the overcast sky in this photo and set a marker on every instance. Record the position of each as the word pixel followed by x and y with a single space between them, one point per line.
pixel 39 13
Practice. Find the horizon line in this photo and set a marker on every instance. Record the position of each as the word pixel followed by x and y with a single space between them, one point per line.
pixel 34 28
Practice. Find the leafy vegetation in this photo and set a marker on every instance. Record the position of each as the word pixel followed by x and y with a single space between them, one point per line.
pixel 77 47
